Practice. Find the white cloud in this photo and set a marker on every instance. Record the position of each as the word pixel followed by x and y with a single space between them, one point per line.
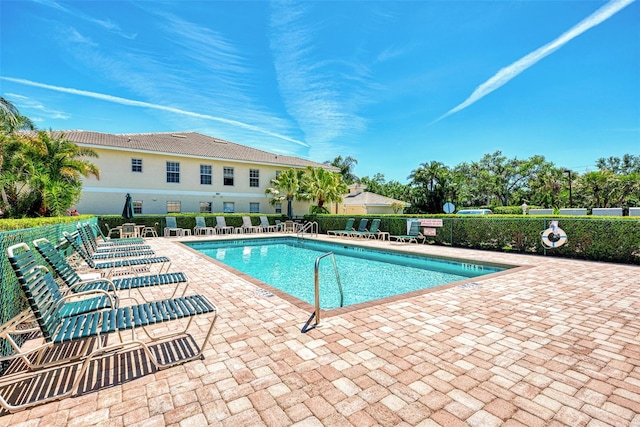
pixel 76 37
pixel 509 72
pixel 134 103
pixel 26 103
pixel 321 94
pixel 104 23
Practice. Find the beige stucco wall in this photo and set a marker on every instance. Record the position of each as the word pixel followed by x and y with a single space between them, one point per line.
pixel 106 195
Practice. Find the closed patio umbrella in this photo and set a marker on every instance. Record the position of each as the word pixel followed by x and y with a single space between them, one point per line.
pixel 127 211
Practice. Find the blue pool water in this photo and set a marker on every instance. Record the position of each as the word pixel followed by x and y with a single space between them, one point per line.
pixel 365 274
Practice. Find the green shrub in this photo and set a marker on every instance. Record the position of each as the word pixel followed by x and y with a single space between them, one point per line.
pixel 610 239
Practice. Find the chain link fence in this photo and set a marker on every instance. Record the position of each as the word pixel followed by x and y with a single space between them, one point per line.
pixel 12 300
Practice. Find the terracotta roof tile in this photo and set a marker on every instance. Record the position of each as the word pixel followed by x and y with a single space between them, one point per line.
pixel 187 144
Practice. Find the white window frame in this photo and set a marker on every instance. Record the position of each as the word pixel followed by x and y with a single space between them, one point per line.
pixel 228 174
pixel 172 205
pixel 228 207
pixel 173 171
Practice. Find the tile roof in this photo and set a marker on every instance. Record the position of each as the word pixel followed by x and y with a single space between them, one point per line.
pixel 186 144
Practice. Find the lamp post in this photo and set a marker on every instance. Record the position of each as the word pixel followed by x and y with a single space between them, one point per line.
pixel 570 197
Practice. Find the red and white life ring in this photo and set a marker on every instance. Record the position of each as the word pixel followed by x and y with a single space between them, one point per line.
pixel 554 237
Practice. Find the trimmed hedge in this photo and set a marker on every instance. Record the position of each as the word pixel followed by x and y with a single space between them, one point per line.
pixel 609 239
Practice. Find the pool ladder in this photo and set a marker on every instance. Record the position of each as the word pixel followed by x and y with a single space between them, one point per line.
pixel 316 277
pixel 309 227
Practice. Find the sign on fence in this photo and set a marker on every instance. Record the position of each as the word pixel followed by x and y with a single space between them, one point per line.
pixel 430 222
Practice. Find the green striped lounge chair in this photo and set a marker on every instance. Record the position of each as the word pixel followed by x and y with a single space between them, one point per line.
pixel 119 251
pixel 97 256
pixel 362 228
pixel 412 235
pixel 348 227
pixel 95 334
pixel 121 265
pixel 76 283
pixel 24 265
pixel 371 232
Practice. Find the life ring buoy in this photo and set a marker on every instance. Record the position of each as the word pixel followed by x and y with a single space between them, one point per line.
pixel 554 237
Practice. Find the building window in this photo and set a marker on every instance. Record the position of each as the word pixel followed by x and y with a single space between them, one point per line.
pixel 205 207
pixel 254 178
pixel 278 174
pixel 173 172
pixel 254 207
pixel 136 165
pixel 173 207
pixel 278 208
pixel 205 174
pixel 137 207
pixel 227 174
pixel 228 207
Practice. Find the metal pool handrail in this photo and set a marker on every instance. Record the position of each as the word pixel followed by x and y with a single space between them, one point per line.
pixel 316 278
pixel 310 227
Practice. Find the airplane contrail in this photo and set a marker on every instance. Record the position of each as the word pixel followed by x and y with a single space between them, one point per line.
pixel 509 72
pixel 134 103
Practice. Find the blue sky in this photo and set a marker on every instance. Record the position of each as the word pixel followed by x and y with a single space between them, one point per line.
pixel 392 83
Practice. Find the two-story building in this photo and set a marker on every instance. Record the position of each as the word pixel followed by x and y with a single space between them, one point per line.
pixel 181 172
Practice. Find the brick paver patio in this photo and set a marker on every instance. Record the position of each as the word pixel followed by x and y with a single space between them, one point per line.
pixel 554 343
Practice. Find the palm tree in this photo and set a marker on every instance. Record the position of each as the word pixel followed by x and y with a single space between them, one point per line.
pixel 61 163
pixel 287 186
pixel 43 174
pixel 324 186
pixel 346 167
pixel 428 185
pixel 10 121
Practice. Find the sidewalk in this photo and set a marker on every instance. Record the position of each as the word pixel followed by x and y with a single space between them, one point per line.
pixel 554 344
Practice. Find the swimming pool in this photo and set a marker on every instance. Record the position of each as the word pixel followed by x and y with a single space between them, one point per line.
pixel 366 274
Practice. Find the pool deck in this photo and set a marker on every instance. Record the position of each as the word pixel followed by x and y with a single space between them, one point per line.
pixel 556 342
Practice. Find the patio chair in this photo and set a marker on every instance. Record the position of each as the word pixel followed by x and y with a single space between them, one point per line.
pixel 412 235
pixel 90 240
pixel 24 263
pixel 75 283
pixel 120 251
pixel 362 227
pixel 248 227
pixel 372 231
pixel 88 333
pixel 264 223
pixel 172 227
pixel 222 227
pixel 202 228
pixel 128 230
pixel 109 241
pixel 149 231
pixel 348 227
pixel 128 265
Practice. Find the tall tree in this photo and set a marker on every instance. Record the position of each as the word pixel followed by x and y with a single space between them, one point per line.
pixel 43 174
pixel 287 186
pixel 324 186
pixel 375 184
pixel 346 166
pixel 10 121
pixel 428 184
